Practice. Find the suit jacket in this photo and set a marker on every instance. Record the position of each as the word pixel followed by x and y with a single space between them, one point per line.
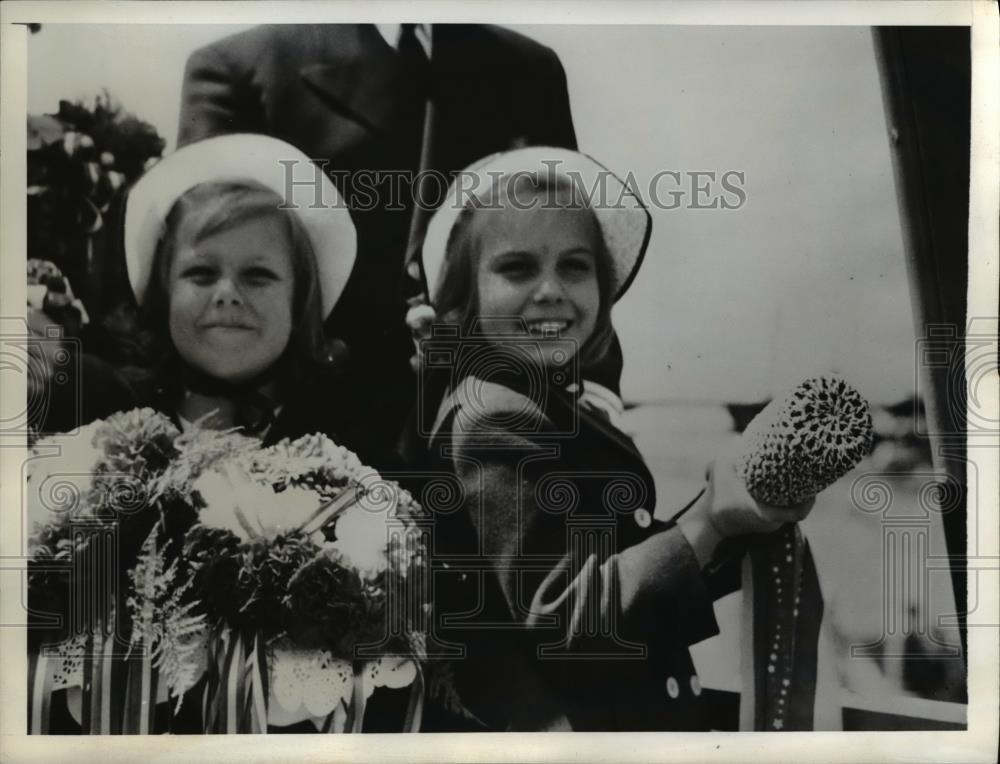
pixel 342 95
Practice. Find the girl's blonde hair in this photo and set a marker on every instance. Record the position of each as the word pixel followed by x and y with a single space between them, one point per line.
pixel 456 294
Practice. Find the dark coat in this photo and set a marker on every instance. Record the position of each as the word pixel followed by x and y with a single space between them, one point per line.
pixel 558 564
pixel 340 93
pixel 90 388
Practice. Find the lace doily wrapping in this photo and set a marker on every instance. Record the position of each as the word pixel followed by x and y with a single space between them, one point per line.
pixel 802 443
pixel 66 663
pixel 304 684
pixel 66 666
pixel 312 684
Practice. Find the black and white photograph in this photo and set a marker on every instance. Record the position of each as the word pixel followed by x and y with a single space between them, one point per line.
pixel 406 371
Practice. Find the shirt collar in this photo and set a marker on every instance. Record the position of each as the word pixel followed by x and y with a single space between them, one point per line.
pixel 390 33
pixel 604 400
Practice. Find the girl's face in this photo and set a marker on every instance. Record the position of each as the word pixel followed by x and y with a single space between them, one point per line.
pixel 231 300
pixel 539 265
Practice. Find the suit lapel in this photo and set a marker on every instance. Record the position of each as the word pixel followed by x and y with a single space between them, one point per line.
pixel 362 82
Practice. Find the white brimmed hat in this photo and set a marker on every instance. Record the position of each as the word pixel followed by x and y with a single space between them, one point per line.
pixel 623 218
pixel 260 158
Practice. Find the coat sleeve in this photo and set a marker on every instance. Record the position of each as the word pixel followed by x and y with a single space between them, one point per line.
pixel 216 97
pixel 653 592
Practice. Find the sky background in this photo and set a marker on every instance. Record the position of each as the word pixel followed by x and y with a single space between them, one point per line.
pixel 731 305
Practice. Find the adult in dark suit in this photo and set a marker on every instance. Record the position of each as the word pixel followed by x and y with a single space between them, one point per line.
pixel 355 95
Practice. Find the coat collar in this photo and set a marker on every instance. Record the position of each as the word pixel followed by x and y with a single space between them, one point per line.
pixel 566 412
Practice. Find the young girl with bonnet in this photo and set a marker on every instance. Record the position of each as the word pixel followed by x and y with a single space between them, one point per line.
pixel 233 272
pixel 576 579
pixel 232 281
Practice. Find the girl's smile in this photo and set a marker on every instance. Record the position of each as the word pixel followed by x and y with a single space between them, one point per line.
pixel 233 324
pixel 231 300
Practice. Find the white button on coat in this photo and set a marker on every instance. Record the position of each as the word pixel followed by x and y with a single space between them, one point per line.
pixel 673 689
pixel 642 518
pixel 695 685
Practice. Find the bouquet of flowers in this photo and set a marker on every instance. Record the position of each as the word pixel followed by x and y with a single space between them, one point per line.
pixel 266 585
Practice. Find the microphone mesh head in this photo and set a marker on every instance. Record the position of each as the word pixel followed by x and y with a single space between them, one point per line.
pixel 802 443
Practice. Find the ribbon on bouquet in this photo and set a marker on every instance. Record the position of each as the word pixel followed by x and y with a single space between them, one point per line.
pixel 782 612
pixel 40 680
pixel 236 687
pixel 140 692
pixel 356 711
pixel 415 707
pixel 225 669
pixel 117 692
pixel 102 693
pixel 256 713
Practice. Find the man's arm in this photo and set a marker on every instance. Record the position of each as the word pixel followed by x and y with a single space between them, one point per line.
pixel 216 98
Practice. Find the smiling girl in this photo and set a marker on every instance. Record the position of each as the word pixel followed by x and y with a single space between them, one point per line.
pixel 233 282
pixel 580 603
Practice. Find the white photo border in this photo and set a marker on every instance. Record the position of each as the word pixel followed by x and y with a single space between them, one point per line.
pixel 977 743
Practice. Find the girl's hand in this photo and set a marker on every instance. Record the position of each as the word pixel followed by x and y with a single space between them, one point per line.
pixel 733 511
pixel 727 509
pixel 419 318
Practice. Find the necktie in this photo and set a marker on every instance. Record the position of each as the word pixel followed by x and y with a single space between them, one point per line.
pixel 413 55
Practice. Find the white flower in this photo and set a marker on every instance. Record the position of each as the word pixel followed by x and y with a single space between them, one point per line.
pixel 60 474
pixel 237 503
pixel 362 537
pixel 316 455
